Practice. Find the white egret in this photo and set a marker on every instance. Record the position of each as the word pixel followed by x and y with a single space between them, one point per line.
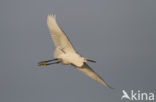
pixel 65 52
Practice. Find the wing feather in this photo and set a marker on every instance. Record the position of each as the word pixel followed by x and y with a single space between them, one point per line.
pixel 91 73
pixel 58 36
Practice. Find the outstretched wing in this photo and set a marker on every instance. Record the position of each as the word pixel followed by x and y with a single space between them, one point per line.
pixel 58 36
pixel 90 73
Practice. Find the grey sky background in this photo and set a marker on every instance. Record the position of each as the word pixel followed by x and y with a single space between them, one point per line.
pixel 119 34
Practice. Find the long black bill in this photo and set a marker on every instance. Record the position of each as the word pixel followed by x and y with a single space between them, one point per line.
pixel 91 60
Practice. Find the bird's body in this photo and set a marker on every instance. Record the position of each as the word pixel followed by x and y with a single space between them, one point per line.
pixel 69 58
pixel 65 52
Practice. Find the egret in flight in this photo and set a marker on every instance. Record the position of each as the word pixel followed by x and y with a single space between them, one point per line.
pixel 66 54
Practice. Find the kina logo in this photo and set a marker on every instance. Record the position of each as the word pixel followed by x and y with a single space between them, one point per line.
pixel 137 95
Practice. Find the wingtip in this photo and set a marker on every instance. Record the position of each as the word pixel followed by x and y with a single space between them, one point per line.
pixel 51 19
pixel 111 88
pixel 108 86
pixel 51 16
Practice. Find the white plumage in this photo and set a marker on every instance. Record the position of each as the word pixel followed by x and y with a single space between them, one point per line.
pixel 64 49
pixel 65 52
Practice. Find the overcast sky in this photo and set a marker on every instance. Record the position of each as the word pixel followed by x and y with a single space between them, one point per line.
pixel 119 34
